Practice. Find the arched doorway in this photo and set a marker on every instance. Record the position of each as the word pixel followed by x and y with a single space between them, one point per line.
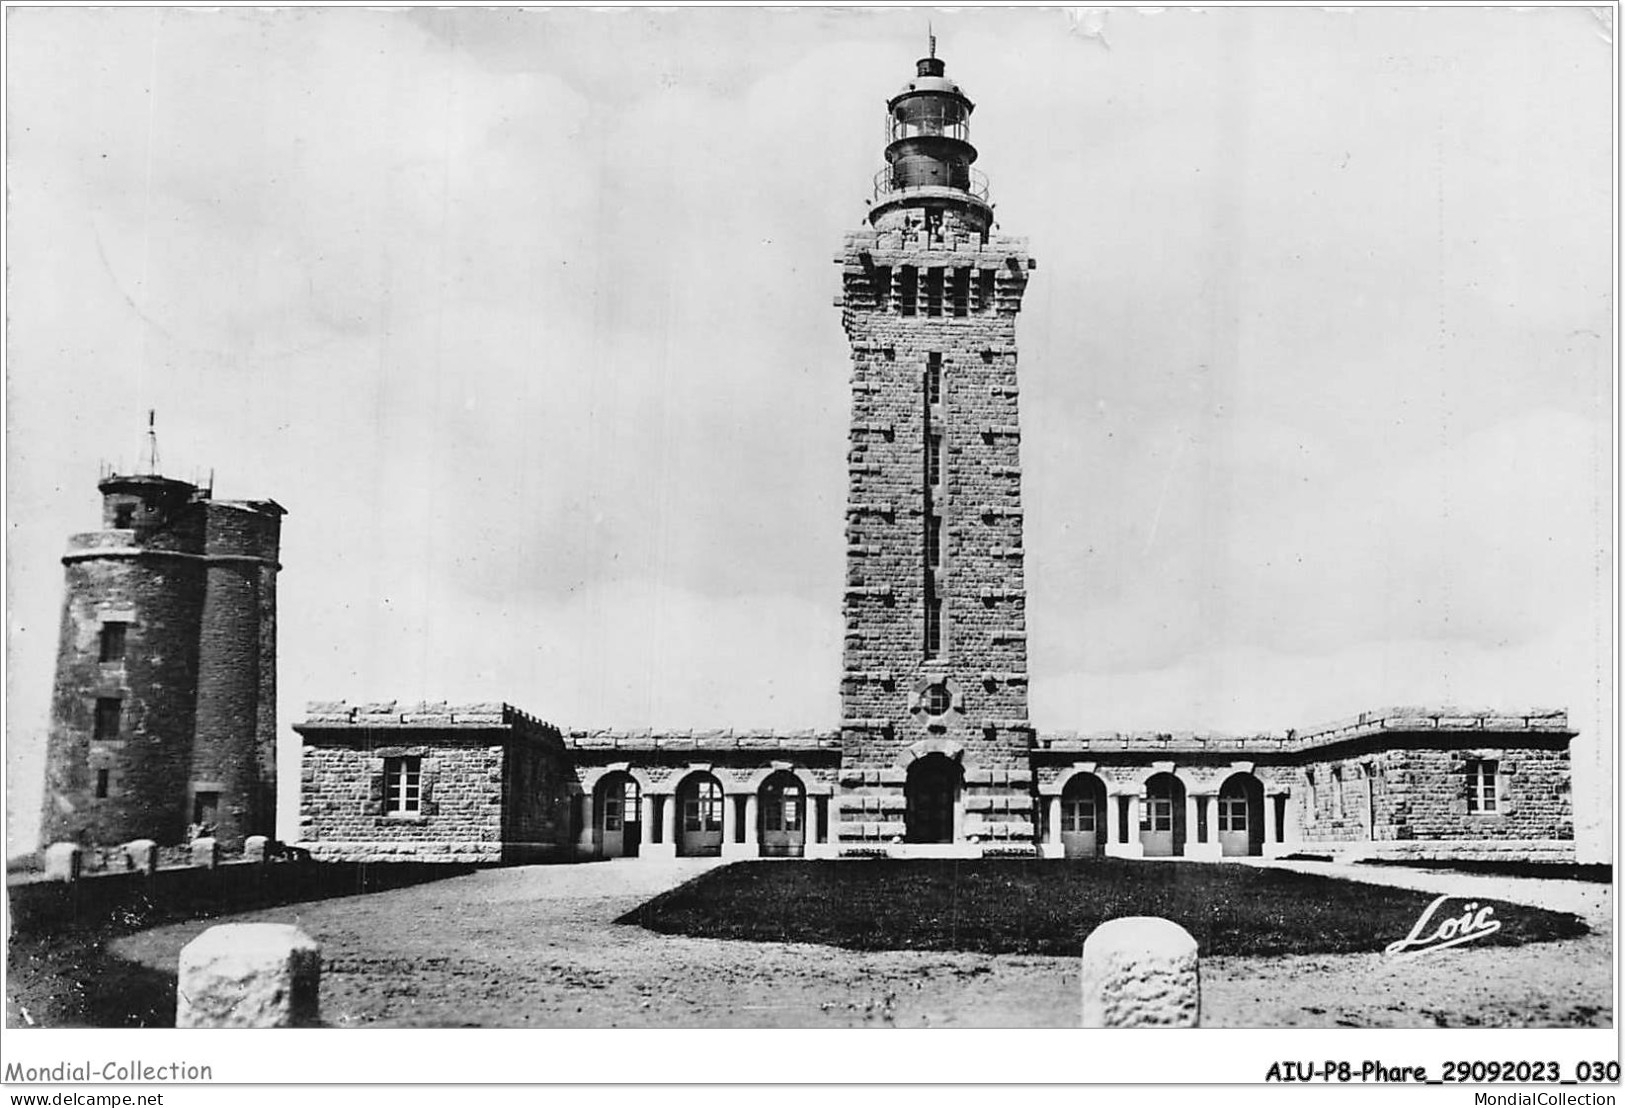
pixel 618 803
pixel 932 798
pixel 700 815
pixel 784 816
pixel 1162 817
pixel 1083 816
pixel 1240 820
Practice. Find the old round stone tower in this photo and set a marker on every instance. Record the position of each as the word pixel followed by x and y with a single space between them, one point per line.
pixel 164 708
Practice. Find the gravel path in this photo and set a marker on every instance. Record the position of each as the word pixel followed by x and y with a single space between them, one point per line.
pixel 1590 900
pixel 536 946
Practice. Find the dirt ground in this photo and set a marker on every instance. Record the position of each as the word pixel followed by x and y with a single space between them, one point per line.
pixel 536 946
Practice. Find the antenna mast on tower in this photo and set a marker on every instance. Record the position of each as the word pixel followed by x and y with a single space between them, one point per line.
pixel 152 442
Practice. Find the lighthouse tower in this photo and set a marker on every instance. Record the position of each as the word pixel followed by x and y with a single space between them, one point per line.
pixel 935 734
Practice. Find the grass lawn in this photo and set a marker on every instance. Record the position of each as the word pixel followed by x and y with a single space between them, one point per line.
pixel 1022 906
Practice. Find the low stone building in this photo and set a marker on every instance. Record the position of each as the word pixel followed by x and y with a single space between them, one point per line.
pixel 1399 782
pixel 488 783
pixel 934 752
pixel 432 782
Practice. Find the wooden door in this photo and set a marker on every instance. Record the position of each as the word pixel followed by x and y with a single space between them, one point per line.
pixel 784 819
pixel 701 818
pixel 1157 826
pixel 1082 825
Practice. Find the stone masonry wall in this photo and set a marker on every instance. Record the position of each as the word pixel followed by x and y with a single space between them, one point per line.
pixel 494 783
pixel 149 764
pixel 194 683
pixel 537 795
pixel 907 297
pixel 1422 794
pixel 341 811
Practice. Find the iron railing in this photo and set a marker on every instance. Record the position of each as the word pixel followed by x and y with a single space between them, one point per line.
pixel 890 182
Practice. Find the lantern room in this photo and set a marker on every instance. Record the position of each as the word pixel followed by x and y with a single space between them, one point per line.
pixel 928 170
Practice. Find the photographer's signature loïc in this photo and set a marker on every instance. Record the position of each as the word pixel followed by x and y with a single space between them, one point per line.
pixel 1473 923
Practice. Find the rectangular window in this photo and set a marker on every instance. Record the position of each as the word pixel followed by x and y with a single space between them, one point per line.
pixel 1481 786
pixel 933 378
pixel 933 541
pixel 933 626
pixel 402 785
pixel 1159 814
pixel 908 290
pixel 882 287
pixel 205 810
pixel 933 460
pixel 123 516
pixel 1078 815
pixel 703 813
pixel 933 291
pixel 109 710
pixel 1232 813
pixel 112 642
pixel 102 777
pixel 984 289
pixel 961 284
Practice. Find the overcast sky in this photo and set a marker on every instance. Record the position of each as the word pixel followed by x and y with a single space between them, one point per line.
pixel 526 318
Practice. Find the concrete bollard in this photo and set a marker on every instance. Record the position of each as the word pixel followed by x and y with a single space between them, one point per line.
pixel 205 853
pixel 254 848
pixel 141 855
pixel 64 861
pixel 249 975
pixel 1141 971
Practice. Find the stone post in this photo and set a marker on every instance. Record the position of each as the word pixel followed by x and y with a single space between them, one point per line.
pixel 206 852
pixel 648 803
pixel 64 861
pixel 753 838
pixel 1140 971
pixel 1191 823
pixel 142 855
pixel 589 827
pixel 249 975
pixel 1116 846
pixel 667 847
pixel 254 848
pixel 1052 832
pixel 1207 849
